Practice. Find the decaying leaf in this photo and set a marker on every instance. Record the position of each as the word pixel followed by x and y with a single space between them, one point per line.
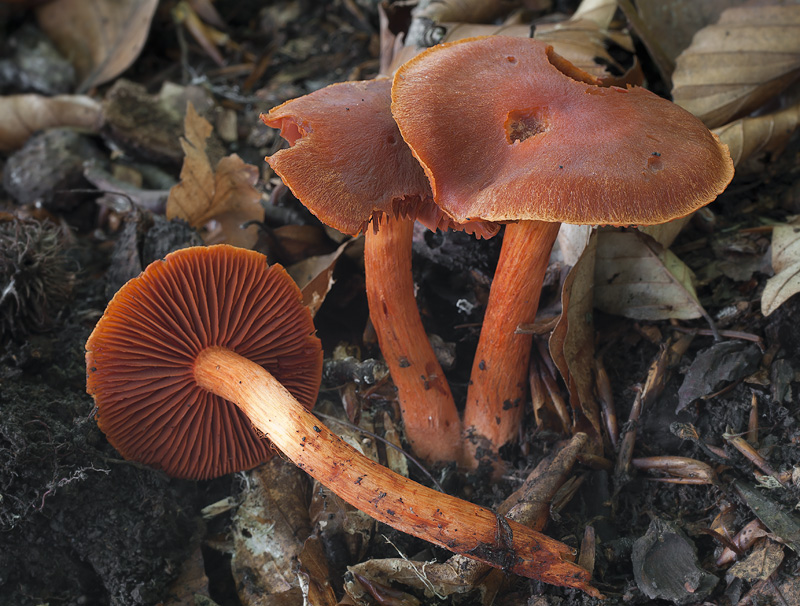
pixel 581 41
pixel 733 67
pixel 786 264
pixel 469 11
pixel 600 12
pixel 672 24
pixel 226 194
pixel 760 564
pixel 314 276
pixel 784 525
pixel 716 366
pixel 314 574
pixel 269 530
pixel 572 343
pixel 192 581
pixel 23 115
pixel 102 37
pixel 637 278
pixel 747 138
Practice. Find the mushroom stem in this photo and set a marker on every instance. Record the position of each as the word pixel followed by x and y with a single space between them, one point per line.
pixel 433 430
pixel 496 395
pixel 441 519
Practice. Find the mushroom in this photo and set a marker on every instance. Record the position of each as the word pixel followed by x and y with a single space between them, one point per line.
pixel 206 333
pixel 143 357
pixel 349 165
pixel 509 131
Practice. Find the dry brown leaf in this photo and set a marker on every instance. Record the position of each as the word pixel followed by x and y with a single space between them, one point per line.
pixel 786 264
pixel 314 574
pixel 666 28
pixel 191 581
pixel 600 12
pixel 572 343
pixel 314 277
pixel 23 115
pixel 470 11
pixel 747 138
pixel 101 37
pixel 226 194
pixel 269 529
pixel 736 65
pixel 637 278
pixel 760 564
pixel 580 41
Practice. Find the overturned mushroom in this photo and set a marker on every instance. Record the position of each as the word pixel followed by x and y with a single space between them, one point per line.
pixel 159 340
pixel 509 131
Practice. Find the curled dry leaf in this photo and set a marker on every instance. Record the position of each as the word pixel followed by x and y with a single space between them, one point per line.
pixel 637 278
pixel 746 138
pixel 314 276
pixel 572 344
pixel 581 41
pixel 786 264
pixel 102 37
pixel 226 194
pixel 733 67
pixel 23 115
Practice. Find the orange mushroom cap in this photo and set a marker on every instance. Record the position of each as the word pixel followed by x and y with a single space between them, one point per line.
pixel 140 358
pixel 508 130
pixel 348 163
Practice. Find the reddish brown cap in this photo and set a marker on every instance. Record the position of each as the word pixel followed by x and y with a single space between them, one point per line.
pixel 140 358
pixel 347 161
pixel 506 129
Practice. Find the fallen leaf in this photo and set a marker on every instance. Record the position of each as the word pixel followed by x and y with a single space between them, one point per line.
pixel 716 366
pixel 470 11
pixel 23 115
pixel 637 278
pixel 586 45
pixel 667 28
pixel 785 264
pixel 784 526
pixel 314 574
pixel 226 194
pixel 581 41
pixel 572 241
pixel 600 12
pixel 191 581
pixel 102 37
pixel 314 276
pixel 734 66
pixel 572 343
pixel 748 138
pixel 268 531
pixel 760 564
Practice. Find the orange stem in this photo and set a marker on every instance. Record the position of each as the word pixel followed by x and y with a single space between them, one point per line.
pixel 388 497
pixel 497 391
pixel 430 417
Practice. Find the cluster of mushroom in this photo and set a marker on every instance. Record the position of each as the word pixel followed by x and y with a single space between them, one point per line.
pixel 471 135
pixel 208 359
